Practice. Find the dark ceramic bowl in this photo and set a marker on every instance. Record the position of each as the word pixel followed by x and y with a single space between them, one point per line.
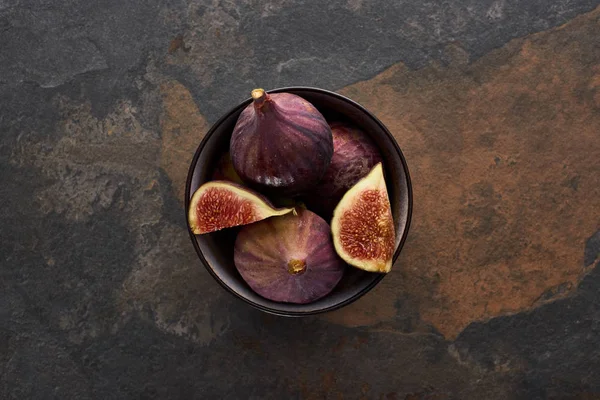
pixel 216 249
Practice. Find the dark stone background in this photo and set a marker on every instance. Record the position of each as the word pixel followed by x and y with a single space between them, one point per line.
pixel 495 103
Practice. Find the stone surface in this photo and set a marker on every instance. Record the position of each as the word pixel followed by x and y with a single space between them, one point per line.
pixel 496 105
pixel 514 149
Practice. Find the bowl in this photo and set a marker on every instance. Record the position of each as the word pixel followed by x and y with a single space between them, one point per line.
pixel 215 250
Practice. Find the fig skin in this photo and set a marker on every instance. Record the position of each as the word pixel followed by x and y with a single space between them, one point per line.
pixel 218 205
pixel 362 225
pixel 224 170
pixel 281 144
pixel 354 155
pixel 289 258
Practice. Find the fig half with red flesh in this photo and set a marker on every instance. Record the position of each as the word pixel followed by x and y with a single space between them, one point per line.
pixel 220 204
pixel 281 144
pixel 362 225
pixel 354 155
pixel 289 258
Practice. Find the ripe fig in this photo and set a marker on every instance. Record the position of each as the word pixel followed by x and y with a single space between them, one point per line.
pixel 281 144
pixel 224 170
pixel 219 204
pixel 290 258
pixel 362 224
pixel 354 155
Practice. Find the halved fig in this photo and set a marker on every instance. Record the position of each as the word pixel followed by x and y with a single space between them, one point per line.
pixel 362 224
pixel 290 258
pixel 220 204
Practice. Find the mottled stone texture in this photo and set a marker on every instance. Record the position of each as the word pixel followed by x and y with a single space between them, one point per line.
pixel 496 105
pixel 504 158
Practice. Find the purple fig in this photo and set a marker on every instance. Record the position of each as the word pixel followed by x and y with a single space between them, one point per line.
pixel 354 155
pixel 289 258
pixel 224 170
pixel 219 204
pixel 281 144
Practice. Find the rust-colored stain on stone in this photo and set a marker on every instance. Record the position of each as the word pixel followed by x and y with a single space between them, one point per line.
pixel 178 43
pixel 504 155
pixel 367 311
pixel 427 395
pixel 182 129
pixel 327 384
pixel 247 343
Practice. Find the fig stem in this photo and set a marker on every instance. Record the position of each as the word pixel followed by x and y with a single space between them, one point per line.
pixel 296 266
pixel 259 96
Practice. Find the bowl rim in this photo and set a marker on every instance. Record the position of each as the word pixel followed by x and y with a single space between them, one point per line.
pixel 187 199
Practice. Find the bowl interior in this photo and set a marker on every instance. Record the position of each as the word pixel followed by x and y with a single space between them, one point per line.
pixel 216 249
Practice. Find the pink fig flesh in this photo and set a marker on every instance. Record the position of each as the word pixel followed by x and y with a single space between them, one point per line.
pixel 362 225
pixel 220 204
pixel 289 258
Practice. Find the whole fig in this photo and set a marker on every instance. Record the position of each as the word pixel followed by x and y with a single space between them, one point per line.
pixel 289 258
pixel 281 144
pixel 354 155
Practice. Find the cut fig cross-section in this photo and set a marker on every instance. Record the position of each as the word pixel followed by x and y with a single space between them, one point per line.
pixel 290 258
pixel 220 204
pixel 362 224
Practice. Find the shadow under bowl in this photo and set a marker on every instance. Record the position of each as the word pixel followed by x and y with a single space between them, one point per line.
pixel 216 249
